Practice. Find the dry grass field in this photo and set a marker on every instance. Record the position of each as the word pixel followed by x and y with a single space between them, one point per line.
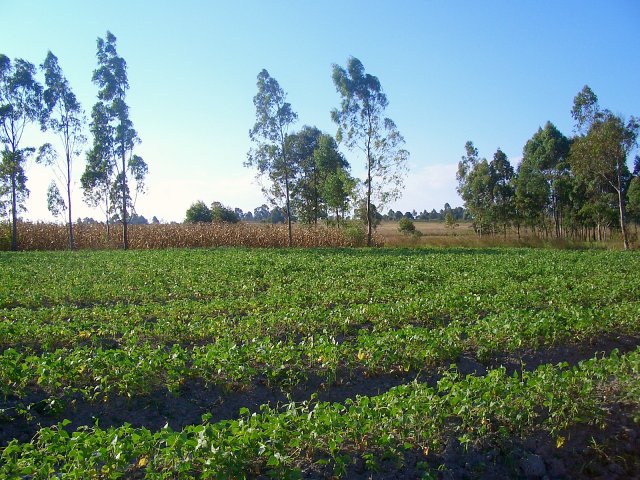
pixel 48 236
pixel 437 234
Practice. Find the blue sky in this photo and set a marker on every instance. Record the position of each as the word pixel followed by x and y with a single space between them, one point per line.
pixel 491 72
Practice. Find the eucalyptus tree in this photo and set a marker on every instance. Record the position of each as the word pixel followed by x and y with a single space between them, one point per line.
pixel 270 155
pixel 98 177
pixel 475 187
pixel 502 176
pixel 362 126
pixel 306 201
pixel 531 196
pixel 65 117
pixel 111 78
pixel 20 104
pixel 547 154
pixel 319 161
pixel 600 153
pixel 337 186
pixel 633 194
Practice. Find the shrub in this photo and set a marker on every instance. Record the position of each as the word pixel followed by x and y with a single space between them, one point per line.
pixel 198 213
pixel 406 226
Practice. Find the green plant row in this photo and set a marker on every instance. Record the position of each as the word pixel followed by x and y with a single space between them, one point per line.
pixel 319 436
pixel 232 362
pixel 271 280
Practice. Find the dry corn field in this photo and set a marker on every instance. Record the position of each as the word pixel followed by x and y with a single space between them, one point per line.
pixel 48 236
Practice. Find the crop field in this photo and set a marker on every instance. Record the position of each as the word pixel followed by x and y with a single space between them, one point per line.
pixel 51 236
pixel 323 363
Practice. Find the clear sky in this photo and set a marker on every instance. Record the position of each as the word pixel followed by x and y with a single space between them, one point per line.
pixel 491 72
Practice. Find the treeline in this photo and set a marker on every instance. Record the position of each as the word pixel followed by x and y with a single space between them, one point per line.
pixel 199 212
pixel 578 187
pixel 113 175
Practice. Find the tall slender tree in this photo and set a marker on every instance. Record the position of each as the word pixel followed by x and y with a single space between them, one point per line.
pixel 111 78
pixel 502 174
pixel 63 115
pixel 362 126
pixel 270 156
pixel 20 104
pixel 475 188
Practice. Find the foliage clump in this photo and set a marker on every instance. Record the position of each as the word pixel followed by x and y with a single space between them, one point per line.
pixel 406 226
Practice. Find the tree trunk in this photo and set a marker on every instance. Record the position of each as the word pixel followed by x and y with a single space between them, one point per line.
pixel 623 222
pixel 125 233
pixel 69 201
pixel 369 204
pixel 289 237
pixel 623 226
pixel 14 207
pixel 106 209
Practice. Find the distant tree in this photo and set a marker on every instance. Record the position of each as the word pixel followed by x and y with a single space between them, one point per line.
pixel 391 214
pixel 65 117
pixel 362 126
pixel 373 216
pixel 406 226
pixel 261 213
pixel 276 215
pixel 222 214
pixel 274 116
pixel 155 220
pixel 20 104
pixel 111 78
pixel 198 212
pixel 136 219
pixel 459 213
pixel 449 220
